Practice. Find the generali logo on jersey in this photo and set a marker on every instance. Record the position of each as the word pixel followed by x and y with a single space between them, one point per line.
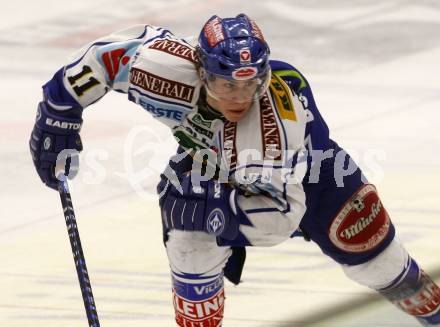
pixel 176 49
pixel 270 131
pixel 362 224
pixel 230 150
pixel 161 86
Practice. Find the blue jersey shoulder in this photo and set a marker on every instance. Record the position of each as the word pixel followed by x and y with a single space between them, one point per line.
pixel 290 74
pixel 317 132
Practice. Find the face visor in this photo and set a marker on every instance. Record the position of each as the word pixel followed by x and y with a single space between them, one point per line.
pixel 243 86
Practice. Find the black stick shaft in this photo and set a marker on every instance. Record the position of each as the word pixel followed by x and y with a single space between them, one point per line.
pixel 78 255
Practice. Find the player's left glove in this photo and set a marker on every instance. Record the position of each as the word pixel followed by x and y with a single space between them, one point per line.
pixel 210 207
pixel 53 132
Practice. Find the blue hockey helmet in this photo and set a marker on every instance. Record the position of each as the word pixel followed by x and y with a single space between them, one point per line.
pixel 234 49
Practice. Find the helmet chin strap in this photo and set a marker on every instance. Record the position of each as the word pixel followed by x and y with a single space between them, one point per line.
pixel 209 109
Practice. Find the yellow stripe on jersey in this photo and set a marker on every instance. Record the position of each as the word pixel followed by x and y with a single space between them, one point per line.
pixel 283 98
pixel 292 73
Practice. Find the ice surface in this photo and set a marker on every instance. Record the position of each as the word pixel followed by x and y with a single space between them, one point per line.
pixel 374 68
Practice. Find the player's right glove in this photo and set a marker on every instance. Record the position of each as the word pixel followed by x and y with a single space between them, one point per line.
pixel 210 207
pixel 53 132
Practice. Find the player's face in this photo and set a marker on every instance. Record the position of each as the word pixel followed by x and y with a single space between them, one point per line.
pixel 233 111
pixel 232 98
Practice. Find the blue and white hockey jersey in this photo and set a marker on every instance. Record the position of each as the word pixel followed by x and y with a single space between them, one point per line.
pixel 263 152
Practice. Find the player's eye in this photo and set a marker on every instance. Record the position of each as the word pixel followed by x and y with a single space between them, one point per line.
pixel 230 86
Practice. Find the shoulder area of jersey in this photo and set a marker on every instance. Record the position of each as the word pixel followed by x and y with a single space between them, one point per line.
pixel 169 66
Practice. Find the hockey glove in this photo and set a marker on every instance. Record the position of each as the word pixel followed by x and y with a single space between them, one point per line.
pixel 210 207
pixel 53 132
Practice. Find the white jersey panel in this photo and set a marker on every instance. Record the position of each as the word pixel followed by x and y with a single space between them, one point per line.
pixel 265 152
pixel 104 64
pixel 164 79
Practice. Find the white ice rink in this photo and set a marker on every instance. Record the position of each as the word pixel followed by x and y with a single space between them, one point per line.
pixel 374 67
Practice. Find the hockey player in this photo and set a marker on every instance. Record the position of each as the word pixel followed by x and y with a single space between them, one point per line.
pixel 255 164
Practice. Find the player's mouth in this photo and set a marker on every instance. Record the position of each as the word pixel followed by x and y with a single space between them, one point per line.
pixel 238 107
pixel 237 111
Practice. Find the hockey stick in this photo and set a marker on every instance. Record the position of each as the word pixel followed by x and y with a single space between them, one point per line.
pixel 78 255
